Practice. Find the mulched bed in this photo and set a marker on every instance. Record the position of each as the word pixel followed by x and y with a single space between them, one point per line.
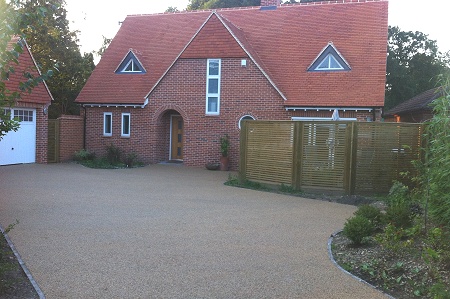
pixel 14 284
pixel 403 274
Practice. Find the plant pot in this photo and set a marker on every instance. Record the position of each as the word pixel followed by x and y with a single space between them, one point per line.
pixel 224 163
pixel 212 166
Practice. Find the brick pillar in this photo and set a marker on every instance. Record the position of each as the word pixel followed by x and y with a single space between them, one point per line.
pixel 71 130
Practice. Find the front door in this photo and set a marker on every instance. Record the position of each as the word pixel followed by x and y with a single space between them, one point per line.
pixel 177 138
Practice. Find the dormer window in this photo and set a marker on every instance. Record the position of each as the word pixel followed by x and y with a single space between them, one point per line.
pixel 329 60
pixel 130 65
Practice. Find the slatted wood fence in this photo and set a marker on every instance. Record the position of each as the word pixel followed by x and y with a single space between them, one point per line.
pixel 350 157
pixel 53 141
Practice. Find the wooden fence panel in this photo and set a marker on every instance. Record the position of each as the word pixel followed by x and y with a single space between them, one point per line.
pixel 355 157
pixel 53 141
pixel 384 151
pixel 323 159
pixel 269 151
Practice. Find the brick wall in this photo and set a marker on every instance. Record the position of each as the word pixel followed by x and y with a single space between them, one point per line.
pixel 244 91
pixel 71 129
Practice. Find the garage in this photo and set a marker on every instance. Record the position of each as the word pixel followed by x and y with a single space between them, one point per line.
pixel 20 146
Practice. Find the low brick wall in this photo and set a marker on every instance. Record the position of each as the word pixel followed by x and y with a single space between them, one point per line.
pixel 71 132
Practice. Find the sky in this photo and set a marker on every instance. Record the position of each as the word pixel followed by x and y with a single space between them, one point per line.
pixel 96 18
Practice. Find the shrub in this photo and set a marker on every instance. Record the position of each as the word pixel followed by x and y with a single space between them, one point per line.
pixel 113 154
pixel 398 194
pixel 131 159
pixel 372 213
pixel 392 239
pixel 84 155
pixel 399 215
pixel 357 229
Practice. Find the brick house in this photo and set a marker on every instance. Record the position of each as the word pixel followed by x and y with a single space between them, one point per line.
pixel 29 143
pixel 170 85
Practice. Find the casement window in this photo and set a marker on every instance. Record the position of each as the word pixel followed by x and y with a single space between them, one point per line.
pixel 23 115
pixel 213 87
pixel 126 124
pixel 107 124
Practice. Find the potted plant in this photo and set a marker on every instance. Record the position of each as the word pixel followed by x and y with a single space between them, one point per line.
pixel 224 148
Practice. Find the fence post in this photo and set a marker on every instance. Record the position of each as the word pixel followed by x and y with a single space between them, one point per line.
pixel 242 174
pixel 297 155
pixel 352 146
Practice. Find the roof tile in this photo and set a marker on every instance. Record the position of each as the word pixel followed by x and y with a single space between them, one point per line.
pixel 283 42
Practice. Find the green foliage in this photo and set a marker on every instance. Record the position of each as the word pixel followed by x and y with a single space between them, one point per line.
pixel 399 215
pixel 112 159
pixel 288 189
pixel 113 154
pixel 105 44
pixel 52 41
pixel 210 4
pixel 14 22
pixel 171 9
pixel 224 145
pixel 440 291
pixel 436 168
pixel 235 182
pixel 413 65
pixel 131 159
pixel 357 229
pixel 84 155
pixel 5 265
pixel 394 239
pixel 371 213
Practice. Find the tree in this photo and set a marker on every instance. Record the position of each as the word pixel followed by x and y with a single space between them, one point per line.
pixel 52 42
pixel 13 24
pixel 413 65
pixel 210 4
pixel 172 9
pixel 106 42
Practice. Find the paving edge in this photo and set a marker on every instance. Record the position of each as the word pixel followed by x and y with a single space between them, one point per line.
pixel 330 254
pixel 22 264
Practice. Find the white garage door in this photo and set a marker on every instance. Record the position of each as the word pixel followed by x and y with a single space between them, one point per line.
pixel 20 147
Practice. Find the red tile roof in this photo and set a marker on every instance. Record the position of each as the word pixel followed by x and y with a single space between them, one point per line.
pixel 40 94
pixel 282 42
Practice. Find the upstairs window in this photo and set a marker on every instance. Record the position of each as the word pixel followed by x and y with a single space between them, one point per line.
pixel 329 60
pixel 130 65
pixel 213 87
pixel 329 64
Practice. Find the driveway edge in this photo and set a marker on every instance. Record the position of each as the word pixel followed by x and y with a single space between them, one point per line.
pixel 22 264
pixel 330 254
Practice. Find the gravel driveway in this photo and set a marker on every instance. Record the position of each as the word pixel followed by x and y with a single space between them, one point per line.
pixel 166 231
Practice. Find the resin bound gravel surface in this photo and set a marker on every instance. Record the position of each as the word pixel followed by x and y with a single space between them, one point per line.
pixel 168 231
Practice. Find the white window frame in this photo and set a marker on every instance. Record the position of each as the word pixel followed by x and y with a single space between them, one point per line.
pixel 133 66
pixel 105 115
pixel 329 68
pixel 215 95
pixel 122 131
pixel 242 118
